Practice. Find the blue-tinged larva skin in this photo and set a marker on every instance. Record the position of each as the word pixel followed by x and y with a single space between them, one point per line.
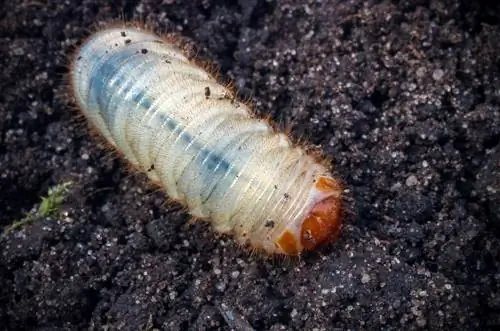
pixel 174 121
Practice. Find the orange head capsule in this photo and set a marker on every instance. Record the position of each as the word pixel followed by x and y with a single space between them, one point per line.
pixel 323 223
pixel 320 225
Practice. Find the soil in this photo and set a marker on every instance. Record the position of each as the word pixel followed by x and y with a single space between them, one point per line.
pixel 403 96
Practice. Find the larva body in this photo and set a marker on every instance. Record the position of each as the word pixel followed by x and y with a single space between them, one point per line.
pixel 174 121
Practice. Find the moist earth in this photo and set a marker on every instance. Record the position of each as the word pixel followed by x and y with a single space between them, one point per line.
pixel 402 96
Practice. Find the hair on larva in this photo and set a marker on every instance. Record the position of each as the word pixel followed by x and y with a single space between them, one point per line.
pixel 171 119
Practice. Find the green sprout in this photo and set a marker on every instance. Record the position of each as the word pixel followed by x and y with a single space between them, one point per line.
pixel 48 207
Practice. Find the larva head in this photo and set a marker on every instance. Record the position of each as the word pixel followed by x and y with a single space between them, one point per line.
pixel 323 223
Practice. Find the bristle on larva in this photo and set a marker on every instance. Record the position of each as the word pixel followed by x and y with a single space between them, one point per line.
pixel 173 120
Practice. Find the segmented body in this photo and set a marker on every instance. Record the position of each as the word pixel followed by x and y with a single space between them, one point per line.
pixel 174 121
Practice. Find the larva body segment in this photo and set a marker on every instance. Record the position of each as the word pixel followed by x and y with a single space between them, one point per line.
pixel 174 121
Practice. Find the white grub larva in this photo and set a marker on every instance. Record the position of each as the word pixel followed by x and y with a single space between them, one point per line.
pixel 174 121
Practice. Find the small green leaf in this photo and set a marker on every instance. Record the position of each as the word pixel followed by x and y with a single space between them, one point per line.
pixel 49 206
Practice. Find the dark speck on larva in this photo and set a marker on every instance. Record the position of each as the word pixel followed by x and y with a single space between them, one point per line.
pixel 269 224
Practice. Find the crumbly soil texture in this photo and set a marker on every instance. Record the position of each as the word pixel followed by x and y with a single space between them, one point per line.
pixel 402 96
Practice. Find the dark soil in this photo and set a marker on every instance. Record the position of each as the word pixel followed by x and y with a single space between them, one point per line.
pixel 403 96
